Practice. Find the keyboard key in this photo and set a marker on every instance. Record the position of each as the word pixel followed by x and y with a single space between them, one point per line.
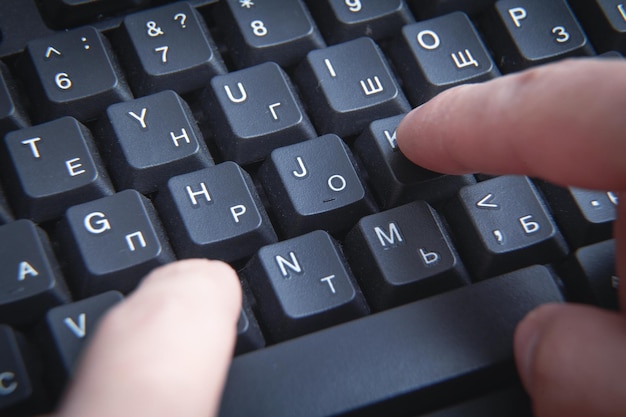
pixel 403 254
pixel 534 32
pixel 215 213
pixel 511 402
pixel 75 12
pixel 254 111
pixel 30 279
pixel 584 216
pixel 348 85
pixel 343 20
pixel 52 166
pixel 12 114
pixel 504 225
pixel 308 192
pixel 168 48
pixel 305 285
pixel 604 21
pixel 249 336
pixel 436 54
pixel 73 73
pixel 113 242
pixel 430 8
pixel 151 139
pixel 393 360
pixel 68 329
pixel 396 180
pixel 21 392
pixel 257 31
pixel 590 277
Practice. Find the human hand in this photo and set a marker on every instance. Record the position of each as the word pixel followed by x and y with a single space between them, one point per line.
pixel 564 123
pixel 165 350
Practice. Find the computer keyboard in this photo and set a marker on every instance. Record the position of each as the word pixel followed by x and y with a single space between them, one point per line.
pixel 262 133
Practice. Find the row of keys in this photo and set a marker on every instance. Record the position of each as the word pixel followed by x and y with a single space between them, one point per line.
pixel 76 73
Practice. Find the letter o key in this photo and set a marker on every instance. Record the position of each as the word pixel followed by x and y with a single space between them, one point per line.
pixel 336 183
pixel 435 41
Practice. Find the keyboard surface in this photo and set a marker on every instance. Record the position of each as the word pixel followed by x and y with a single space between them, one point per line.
pixel 262 133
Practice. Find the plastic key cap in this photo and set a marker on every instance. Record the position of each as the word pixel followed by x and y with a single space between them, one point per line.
pixel 254 111
pixel 113 242
pixel 76 12
pixel 584 216
pixel 348 85
pixel 151 139
pixel 168 48
pixel 431 8
pixel 534 32
pixel 505 225
pixel 249 336
pixel 215 213
pixel 30 279
pixel 12 114
pixel 52 166
pixel 403 349
pixel 403 254
pixel 396 180
pixel 604 22
pixel 75 74
pixel 305 285
pixel 68 329
pixel 307 192
pixel 279 30
pixel 21 390
pixel 436 54
pixel 342 20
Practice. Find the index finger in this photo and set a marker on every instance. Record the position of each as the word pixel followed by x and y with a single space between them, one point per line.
pixel 563 122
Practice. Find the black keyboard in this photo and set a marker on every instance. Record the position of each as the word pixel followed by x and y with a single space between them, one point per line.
pixel 262 133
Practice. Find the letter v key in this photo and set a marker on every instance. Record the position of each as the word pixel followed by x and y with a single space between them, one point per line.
pixel 485 202
pixel 80 329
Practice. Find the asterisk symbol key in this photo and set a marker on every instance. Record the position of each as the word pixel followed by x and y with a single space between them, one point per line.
pixel 246 3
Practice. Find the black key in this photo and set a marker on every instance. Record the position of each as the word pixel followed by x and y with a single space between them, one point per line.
pixel 304 284
pixel 254 111
pixel 20 22
pixel 505 225
pixel 257 31
pixel 308 192
pixel 215 213
pixel 342 20
pixel 150 139
pixel 584 216
pixel 396 180
pixel 21 391
pixel 73 73
pixel 30 279
pixel 534 32
pixel 75 12
pixel 604 21
pixel 436 54
pixel 430 8
pixel 168 48
pixel 52 166
pixel 69 328
pixel 349 85
pixel 249 336
pixel 113 242
pixel 589 275
pixel 403 254
pixel 6 215
pixel 393 360
pixel 12 114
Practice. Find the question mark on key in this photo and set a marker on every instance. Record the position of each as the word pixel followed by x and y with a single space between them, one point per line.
pixel 183 19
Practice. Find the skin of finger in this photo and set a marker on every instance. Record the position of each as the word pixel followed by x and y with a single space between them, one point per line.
pixel 163 351
pixel 563 122
pixel 577 361
pixel 620 250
